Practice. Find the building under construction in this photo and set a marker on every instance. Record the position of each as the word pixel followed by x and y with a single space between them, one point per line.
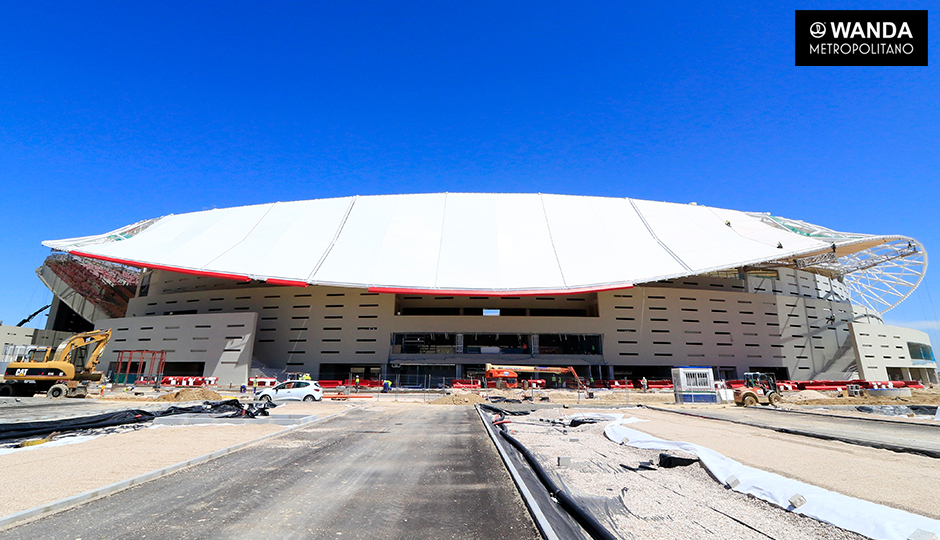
pixel 440 284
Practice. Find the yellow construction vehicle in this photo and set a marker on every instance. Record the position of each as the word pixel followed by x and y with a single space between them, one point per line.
pixel 758 388
pixel 507 376
pixel 64 372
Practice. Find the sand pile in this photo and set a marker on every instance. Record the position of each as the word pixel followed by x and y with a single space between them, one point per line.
pixel 458 399
pixel 805 395
pixel 191 394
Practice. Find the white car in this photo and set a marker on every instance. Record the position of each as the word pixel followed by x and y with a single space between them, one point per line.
pixel 293 391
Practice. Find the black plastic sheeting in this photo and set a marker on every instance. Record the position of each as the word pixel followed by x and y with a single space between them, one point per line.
pixel 21 430
pixel 575 422
pixel 500 399
pixel 504 412
pixel 668 461
pixel 229 409
pixel 574 509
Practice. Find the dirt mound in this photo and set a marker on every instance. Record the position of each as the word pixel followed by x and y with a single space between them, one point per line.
pixel 805 395
pixel 458 399
pixel 191 394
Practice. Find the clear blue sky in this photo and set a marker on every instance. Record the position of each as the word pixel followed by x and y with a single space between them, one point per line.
pixel 120 111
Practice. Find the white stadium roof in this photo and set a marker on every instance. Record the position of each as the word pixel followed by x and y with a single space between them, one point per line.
pixel 495 244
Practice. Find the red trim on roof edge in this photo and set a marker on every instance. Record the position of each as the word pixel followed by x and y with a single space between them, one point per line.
pixel 288 282
pixel 388 290
pixel 136 264
pixel 462 292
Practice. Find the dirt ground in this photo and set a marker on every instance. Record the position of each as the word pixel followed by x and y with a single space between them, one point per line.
pixel 927 396
pixel 191 394
pixel 39 475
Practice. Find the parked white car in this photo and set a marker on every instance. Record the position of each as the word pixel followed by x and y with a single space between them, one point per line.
pixel 293 391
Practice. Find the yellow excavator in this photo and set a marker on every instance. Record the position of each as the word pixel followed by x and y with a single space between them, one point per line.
pixel 64 372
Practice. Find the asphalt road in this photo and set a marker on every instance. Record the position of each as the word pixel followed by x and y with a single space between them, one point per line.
pixel 415 472
pixel 888 434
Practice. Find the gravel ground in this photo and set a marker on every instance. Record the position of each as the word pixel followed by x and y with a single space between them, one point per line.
pixel 677 503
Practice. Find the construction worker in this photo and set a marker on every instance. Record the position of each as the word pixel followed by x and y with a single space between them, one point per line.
pixel 386 386
pixel 645 383
pixel 357 384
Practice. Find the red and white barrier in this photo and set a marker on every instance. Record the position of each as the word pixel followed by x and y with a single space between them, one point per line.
pixel 190 381
pixel 259 382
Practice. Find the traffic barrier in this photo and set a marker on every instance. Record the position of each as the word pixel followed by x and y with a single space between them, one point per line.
pixel 620 385
pixel 260 382
pixel 189 381
pixel 465 383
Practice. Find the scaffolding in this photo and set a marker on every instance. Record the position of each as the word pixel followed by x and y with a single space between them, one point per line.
pixel 130 367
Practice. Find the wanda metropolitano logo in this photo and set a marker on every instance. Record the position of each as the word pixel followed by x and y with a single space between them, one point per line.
pixel 861 38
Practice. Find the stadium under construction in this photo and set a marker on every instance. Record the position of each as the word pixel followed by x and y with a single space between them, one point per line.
pixel 441 284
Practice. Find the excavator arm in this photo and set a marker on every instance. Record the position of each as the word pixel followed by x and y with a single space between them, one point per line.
pixel 95 340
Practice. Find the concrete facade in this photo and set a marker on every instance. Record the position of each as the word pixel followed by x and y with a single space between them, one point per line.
pixel 889 353
pixel 773 319
pixel 222 342
pixel 16 335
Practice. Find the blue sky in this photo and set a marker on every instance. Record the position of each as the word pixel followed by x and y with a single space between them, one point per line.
pixel 114 112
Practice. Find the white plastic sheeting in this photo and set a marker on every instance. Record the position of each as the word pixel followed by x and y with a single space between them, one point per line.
pixel 867 518
pixel 58 442
pixel 455 241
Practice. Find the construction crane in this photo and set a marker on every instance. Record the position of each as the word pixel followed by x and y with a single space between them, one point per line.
pixel 65 372
pixel 508 374
pixel 37 312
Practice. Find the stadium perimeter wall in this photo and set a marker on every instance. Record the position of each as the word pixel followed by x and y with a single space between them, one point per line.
pixel 795 320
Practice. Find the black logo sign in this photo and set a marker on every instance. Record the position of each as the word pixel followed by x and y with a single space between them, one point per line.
pixel 861 38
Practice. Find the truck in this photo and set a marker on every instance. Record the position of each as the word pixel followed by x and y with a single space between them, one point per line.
pixel 64 372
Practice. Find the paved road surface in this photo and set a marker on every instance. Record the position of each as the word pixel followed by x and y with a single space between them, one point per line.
pixel 377 472
pixel 888 434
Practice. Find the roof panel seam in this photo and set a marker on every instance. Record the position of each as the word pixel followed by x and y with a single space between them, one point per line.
pixel 247 234
pixel 551 240
pixel 339 230
pixel 440 245
pixel 655 237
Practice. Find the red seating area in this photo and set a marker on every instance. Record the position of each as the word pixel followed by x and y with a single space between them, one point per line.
pixel 107 286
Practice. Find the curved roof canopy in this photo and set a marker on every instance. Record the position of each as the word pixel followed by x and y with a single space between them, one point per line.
pixel 472 243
